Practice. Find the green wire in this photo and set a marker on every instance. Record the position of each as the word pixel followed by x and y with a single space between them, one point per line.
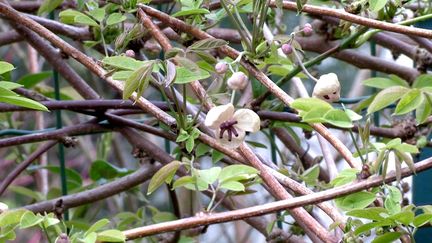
pixel 273 157
pixel 59 125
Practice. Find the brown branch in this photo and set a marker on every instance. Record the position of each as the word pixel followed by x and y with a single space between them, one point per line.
pixel 88 62
pixel 273 206
pixel 271 86
pixel 23 165
pixel 308 223
pixel 341 14
pixel 10 37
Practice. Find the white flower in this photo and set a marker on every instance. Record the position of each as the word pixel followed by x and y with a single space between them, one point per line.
pixel 3 207
pixel 230 126
pixel 327 88
pixel 238 80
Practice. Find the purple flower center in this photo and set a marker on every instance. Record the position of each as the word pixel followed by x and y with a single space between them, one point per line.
pixel 228 126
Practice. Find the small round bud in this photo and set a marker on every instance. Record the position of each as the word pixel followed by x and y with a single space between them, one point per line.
pixel 307 29
pixel 221 67
pixel 62 238
pixel 3 207
pixel 237 81
pixel 130 53
pixel 287 49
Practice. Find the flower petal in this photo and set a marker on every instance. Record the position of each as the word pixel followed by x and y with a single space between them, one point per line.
pixel 247 120
pixel 218 114
pixel 235 141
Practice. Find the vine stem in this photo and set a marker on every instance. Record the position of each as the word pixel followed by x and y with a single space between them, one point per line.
pixel 273 206
pixel 260 76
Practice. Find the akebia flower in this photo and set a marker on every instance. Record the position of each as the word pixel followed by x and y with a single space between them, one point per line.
pixel 230 126
pixel 327 88
pixel 238 80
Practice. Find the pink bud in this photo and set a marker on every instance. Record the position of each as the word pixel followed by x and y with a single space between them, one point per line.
pixel 307 29
pixel 238 80
pixel 221 67
pixel 287 49
pixel 130 53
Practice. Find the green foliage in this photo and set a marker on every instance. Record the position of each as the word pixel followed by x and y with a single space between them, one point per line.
pixel 163 175
pixel 313 110
pixel 412 98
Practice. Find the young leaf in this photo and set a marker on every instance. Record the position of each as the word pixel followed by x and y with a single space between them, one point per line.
pixel 123 62
pixel 338 118
pixel 29 219
pixel 207 44
pixel 382 83
pixel 232 186
pixel 9 85
pixel 409 102
pixel 164 173
pixel 183 75
pixel 424 110
pixel 98 14
pixel 31 80
pixel 216 156
pixel 209 175
pixel 101 169
pixel 191 12
pixel 111 236
pixel 48 5
pixel 5 67
pixel 387 237
pixel 424 80
pixel 115 18
pixel 307 104
pixel 237 172
pixel 24 102
pixel 358 200
pixel 422 219
pixel 85 20
pixel 170 75
pixel 138 81
pixel 386 97
pixel 97 226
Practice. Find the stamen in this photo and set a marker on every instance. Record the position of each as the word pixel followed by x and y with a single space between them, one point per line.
pixel 228 126
pixel 234 131
pixel 229 134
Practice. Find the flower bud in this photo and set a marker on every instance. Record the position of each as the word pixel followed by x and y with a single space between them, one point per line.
pixel 307 29
pixel 3 207
pixel 327 88
pixel 130 53
pixel 221 67
pixel 237 81
pixel 287 49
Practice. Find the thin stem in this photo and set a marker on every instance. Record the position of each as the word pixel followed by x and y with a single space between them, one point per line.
pixel 103 40
pixel 233 96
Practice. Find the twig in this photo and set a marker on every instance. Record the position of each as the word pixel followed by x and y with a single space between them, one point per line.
pixel 23 165
pixel 273 206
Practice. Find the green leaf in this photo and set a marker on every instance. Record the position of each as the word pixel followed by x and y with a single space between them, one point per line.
pixel 97 226
pixel 122 75
pixel 307 104
pixel 216 156
pixel 201 150
pixel 190 142
pixel 404 217
pixel 191 12
pixel 207 44
pixel 422 219
pixel 183 136
pixel 27 192
pixel 310 176
pixel 29 219
pixel 382 83
pixel 424 110
pixel 101 169
pixel 386 97
pixel 387 237
pixel 407 148
pixel 315 115
pixel 68 16
pixel 50 220
pixel 232 186
pixel 353 115
pixel 373 213
pixel 5 67
pixel 7 92
pixel 85 20
pixel 98 14
pixel 115 18
pixel 344 177
pixel 209 175
pixel 182 181
pixel 24 102
pixel 32 79
pixel 123 62
pixel 338 118
pixel 358 200
pixel 409 102
pixel 183 75
pixel 424 80
pixel 9 85
pixel 237 172
pixel 90 238
pixel 368 226
pixel 48 6
pixel 111 236
pixel 160 217
pixel 165 173
pixel 11 217
pixel 138 81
